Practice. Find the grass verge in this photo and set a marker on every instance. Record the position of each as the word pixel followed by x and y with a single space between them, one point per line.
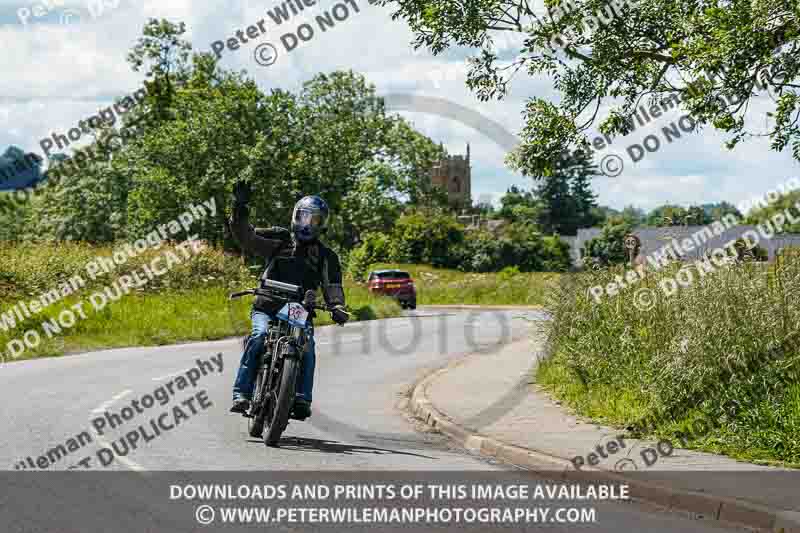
pixel 723 351
pixel 189 303
pixel 444 287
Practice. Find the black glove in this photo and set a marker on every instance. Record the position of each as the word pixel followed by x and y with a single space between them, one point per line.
pixel 339 315
pixel 241 192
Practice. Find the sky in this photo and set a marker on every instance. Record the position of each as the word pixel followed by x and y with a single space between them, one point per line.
pixel 63 60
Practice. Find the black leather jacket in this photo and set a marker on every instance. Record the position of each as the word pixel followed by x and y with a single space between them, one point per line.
pixel 309 265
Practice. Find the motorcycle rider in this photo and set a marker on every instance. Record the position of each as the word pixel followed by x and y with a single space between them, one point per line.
pixel 296 257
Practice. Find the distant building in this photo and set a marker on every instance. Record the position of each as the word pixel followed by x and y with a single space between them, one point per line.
pixel 453 174
pixel 654 239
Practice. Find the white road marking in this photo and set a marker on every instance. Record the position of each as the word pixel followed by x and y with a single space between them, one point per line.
pixel 105 405
pixel 160 378
pixel 133 465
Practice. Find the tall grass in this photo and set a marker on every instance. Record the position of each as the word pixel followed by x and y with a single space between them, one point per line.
pixel 725 348
pixel 188 303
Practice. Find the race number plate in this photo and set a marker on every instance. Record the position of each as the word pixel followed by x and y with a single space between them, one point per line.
pixel 295 314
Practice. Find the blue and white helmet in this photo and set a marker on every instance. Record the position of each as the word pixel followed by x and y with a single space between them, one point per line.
pixel 310 218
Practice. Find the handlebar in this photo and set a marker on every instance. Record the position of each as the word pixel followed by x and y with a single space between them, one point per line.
pixel 240 294
pixel 259 292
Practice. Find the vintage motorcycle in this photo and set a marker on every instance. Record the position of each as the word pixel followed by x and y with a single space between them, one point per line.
pixel 281 364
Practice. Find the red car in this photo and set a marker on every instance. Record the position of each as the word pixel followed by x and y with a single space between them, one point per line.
pixel 394 283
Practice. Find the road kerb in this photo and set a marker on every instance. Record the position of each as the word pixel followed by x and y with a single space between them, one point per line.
pixel 701 505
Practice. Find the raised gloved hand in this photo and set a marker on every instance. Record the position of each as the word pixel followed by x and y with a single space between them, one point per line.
pixel 241 192
pixel 340 315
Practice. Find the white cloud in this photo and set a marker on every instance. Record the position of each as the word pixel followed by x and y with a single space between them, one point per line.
pixel 61 74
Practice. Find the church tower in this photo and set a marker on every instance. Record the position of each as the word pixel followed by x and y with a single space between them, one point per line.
pixel 454 175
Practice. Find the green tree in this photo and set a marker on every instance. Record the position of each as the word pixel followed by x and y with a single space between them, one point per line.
pixel 720 210
pixel 369 206
pixel 397 178
pixel 429 237
pixel 790 201
pixel 675 215
pixel 375 248
pixel 13 217
pixel 165 53
pixel 608 248
pixel 633 216
pixel 208 128
pixel 579 169
pixel 713 56
pixel 520 245
pixel 566 196
pixel 518 205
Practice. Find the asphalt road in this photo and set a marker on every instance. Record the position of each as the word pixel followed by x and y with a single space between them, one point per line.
pixel 364 373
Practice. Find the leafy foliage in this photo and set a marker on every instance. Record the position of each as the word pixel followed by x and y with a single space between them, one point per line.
pixel 562 202
pixel 209 128
pixel 518 205
pixel 608 248
pixel 437 239
pixel 715 56
pixel 374 249
pixel 520 245
pixel 789 201
pixel 432 238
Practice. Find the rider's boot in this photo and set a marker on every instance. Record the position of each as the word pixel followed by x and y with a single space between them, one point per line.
pixel 240 405
pixel 301 409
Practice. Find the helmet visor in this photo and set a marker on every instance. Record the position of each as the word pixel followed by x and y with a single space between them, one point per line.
pixel 305 217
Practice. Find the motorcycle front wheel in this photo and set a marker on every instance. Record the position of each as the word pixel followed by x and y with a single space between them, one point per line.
pixel 284 399
pixel 255 425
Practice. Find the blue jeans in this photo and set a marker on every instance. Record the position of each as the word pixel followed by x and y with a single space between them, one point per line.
pixel 248 367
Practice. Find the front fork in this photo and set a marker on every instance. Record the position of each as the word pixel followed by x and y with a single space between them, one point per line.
pixel 293 346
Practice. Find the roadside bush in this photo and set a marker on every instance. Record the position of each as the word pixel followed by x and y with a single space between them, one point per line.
pixel 519 245
pixel 374 249
pixel 429 238
pixel 441 242
pixel 556 256
pixel 609 247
